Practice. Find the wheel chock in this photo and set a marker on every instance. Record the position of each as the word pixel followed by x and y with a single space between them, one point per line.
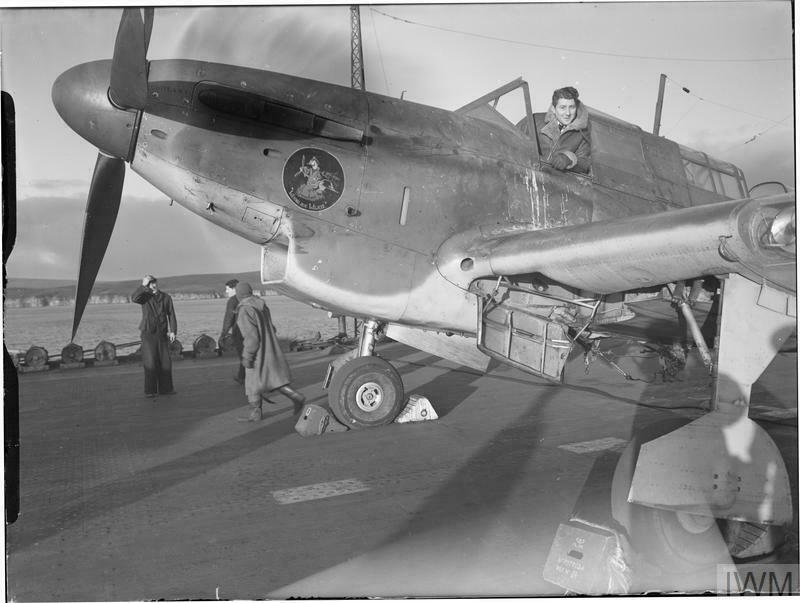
pixel 588 559
pixel 316 420
pixel 419 408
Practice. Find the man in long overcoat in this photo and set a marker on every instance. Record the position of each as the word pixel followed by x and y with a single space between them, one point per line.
pixel 158 328
pixel 265 366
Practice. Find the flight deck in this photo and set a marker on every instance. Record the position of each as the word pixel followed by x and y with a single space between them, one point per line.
pixel 128 498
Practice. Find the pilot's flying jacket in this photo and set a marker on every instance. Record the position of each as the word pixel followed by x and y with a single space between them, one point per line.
pixel 261 350
pixel 158 313
pixel 573 141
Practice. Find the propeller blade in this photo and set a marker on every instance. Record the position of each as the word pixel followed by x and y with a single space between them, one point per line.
pixel 129 66
pixel 102 207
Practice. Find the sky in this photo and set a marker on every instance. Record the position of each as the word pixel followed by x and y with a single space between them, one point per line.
pixel 729 92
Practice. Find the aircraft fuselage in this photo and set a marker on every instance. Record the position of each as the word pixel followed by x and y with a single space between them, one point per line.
pixel 393 182
pixel 350 194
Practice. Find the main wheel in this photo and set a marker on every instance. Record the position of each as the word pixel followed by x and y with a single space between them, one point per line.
pixel 677 542
pixel 366 392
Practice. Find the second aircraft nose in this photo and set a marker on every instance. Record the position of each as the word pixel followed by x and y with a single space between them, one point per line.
pixel 80 96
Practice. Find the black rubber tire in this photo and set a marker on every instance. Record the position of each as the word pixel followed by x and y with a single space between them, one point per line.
pixel 657 534
pixel 366 392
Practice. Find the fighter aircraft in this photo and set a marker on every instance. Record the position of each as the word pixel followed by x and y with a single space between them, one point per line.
pixel 449 231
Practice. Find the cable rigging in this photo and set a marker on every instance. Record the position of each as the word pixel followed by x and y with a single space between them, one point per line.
pixel 380 54
pixel 576 50
pixel 687 91
pixel 780 122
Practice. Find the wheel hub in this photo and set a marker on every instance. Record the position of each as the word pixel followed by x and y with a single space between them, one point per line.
pixel 369 396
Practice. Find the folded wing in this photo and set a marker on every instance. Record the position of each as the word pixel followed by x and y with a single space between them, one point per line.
pixel 751 237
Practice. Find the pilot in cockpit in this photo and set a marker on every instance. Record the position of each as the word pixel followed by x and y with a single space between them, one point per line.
pixel 564 138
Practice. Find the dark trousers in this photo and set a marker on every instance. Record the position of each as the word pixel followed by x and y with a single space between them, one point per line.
pixel 238 344
pixel 157 364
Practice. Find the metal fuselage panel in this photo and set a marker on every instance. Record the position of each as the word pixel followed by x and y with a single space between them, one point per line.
pixel 354 255
pixel 360 219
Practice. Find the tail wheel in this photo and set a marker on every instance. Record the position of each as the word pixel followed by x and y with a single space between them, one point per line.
pixel 675 541
pixel 366 392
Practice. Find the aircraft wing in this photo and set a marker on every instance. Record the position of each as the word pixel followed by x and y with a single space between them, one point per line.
pixel 751 237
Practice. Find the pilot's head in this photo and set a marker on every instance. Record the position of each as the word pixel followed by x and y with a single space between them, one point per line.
pixel 565 104
pixel 230 287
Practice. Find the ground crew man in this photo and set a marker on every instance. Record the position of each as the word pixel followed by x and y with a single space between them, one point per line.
pixel 229 325
pixel 265 366
pixel 158 328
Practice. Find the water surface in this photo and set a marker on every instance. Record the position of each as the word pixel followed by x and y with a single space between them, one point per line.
pixel 50 326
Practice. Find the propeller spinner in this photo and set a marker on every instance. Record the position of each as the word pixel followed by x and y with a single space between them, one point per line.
pixel 101 101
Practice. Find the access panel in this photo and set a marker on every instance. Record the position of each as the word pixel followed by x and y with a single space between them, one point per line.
pixel 516 336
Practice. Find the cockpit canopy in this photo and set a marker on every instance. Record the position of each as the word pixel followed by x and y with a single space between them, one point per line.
pixel 628 159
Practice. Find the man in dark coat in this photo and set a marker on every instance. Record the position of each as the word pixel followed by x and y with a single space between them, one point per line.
pixel 158 328
pixel 229 325
pixel 565 137
pixel 265 366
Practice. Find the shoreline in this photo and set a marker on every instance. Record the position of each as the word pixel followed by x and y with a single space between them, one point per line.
pixel 49 327
pixel 57 301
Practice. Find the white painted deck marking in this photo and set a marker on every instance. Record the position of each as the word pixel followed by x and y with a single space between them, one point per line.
pixel 594 445
pixel 316 491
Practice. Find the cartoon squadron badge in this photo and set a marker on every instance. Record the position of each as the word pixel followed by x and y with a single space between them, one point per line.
pixel 313 179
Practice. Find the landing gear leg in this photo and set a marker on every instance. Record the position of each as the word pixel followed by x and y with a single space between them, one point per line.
pixel 685 307
pixel 365 390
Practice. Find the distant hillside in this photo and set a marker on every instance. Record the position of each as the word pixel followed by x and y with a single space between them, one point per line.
pixel 40 283
pixel 32 292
